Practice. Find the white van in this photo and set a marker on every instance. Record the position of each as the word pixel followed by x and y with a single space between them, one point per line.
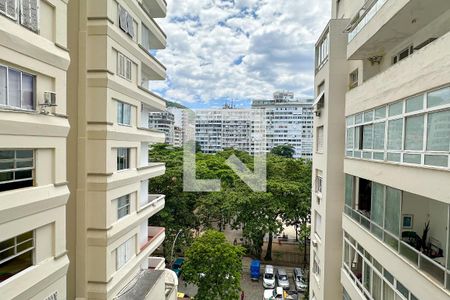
pixel 269 277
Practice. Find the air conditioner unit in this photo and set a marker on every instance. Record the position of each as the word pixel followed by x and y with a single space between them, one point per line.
pixel 49 99
pixel 314 243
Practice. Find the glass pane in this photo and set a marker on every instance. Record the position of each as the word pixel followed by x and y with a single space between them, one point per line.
pixel 438 131
pixel 368 116
pixel 27 91
pixel 6 176
pixel 376 290
pixel 395 129
pixel 6 154
pixel 14 88
pixel 414 104
pixel 396 109
pixel 24 164
pixel 388 292
pixel 436 160
pixel 24 154
pixel 25 246
pixel 402 289
pixel 439 97
pixel 388 276
pixel 378 156
pixel 25 236
pixel 350 120
pixel 357 140
pixel 380 113
pixel 358 119
pixel 350 132
pixel 377 203
pixel 127 114
pixel 2 85
pixel 412 158
pixel 119 112
pixel 23 174
pixel 349 190
pixel 123 201
pixel 367 280
pixel 367 137
pixel 409 253
pixel 367 155
pixel 414 133
pixel 392 210
pixel 6 244
pixel 7 253
pixel 378 136
pixel 7 165
pixel 395 157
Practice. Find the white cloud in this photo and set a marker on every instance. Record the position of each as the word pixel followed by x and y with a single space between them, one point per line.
pixel 239 49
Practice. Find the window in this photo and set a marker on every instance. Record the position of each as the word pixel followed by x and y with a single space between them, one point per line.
pixel 319 181
pixel 123 155
pixel 53 296
pixel 438 131
pixel 123 206
pixel 319 140
pixel 402 55
pixel 322 51
pixel 317 223
pixel 378 136
pixel 9 8
pixel 395 131
pixel 126 21
pixel 439 97
pixel 124 253
pixel 16 88
pixel 145 37
pixel 123 113
pixel 316 265
pixel 16 254
pixel 124 66
pixel 16 169
pixel 353 79
pixel 29 14
pixel 414 133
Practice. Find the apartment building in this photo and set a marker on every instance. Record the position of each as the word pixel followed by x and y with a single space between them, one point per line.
pixel 111 237
pixel 165 122
pixel 381 206
pixel 217 129
pixel 289 121
pixel 33 130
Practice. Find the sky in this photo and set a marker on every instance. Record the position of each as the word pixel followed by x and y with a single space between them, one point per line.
pixel 223 51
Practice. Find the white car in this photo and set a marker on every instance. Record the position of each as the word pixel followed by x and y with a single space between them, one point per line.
pixel 269 277
pixel 274 294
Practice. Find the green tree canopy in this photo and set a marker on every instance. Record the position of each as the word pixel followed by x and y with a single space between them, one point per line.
pixel 214 265
pixel 287 151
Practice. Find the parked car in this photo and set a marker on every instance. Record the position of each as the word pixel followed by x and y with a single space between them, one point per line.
pixel 274 294
pixel 299 280
pixel 255 272
pixel 282 279
pixel 176 266
pixel 269 277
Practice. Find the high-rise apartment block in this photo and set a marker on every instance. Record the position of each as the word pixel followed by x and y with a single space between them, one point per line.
pixel 110 237
pixel 289 121
pixel 33 128
pixel 165 122
pixel 381 206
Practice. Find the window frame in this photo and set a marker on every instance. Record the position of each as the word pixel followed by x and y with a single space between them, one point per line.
pixel 16 244
pixel 126 70
pixel 20 91
pixel 126 159
pixel 126 206
pixel 15 160
pixel 122 113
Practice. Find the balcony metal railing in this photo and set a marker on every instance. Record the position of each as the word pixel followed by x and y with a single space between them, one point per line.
pixel 369 12
pixel 415 257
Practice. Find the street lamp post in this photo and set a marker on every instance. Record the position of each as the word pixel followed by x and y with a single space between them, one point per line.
pixel 173 246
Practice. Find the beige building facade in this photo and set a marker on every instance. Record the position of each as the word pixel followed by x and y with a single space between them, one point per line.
pixel 381 206
pixel 110 236
pixel 33 128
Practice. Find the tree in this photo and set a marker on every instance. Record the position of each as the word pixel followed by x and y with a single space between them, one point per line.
pixel 287 151
pixel 214 265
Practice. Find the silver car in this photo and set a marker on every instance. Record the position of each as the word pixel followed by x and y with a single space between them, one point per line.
pixel 282 279
pixel 299 280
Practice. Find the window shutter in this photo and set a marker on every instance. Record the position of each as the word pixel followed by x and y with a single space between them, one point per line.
pixel 130 25
pixel 120 65
pixel 128 69
pixel 11 9
pixel 123 19
pixel 29 14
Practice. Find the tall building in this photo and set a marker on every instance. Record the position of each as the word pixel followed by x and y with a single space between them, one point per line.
pixel 165 122
pixel 380 209
pixel 33 130
pixel 289 121
pixel 217 129
pixel 110 236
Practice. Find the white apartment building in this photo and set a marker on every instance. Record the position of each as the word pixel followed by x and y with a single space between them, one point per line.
pixel 165 122
pixel 381 205
pixel 217 129
pixel 110 234
pixel 33 130
pixel 289 121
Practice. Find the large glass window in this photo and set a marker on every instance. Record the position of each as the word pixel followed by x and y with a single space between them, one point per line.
pixel 123 206
pixel 124 253
pixel 16 169
pixel 123 113
pixel 438 133
pixel 414 133
pixel 395 131
pixel 16 254
pixel 439 97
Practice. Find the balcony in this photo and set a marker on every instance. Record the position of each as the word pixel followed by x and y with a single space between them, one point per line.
pixel 156 263
pixel 381 24
pixel 424 70
pixel 414 227
pixel 155 237
pixel 154 201
pixel 155 8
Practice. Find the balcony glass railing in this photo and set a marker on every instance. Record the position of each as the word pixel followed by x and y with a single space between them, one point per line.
pixel 421 261
pixel 365 18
